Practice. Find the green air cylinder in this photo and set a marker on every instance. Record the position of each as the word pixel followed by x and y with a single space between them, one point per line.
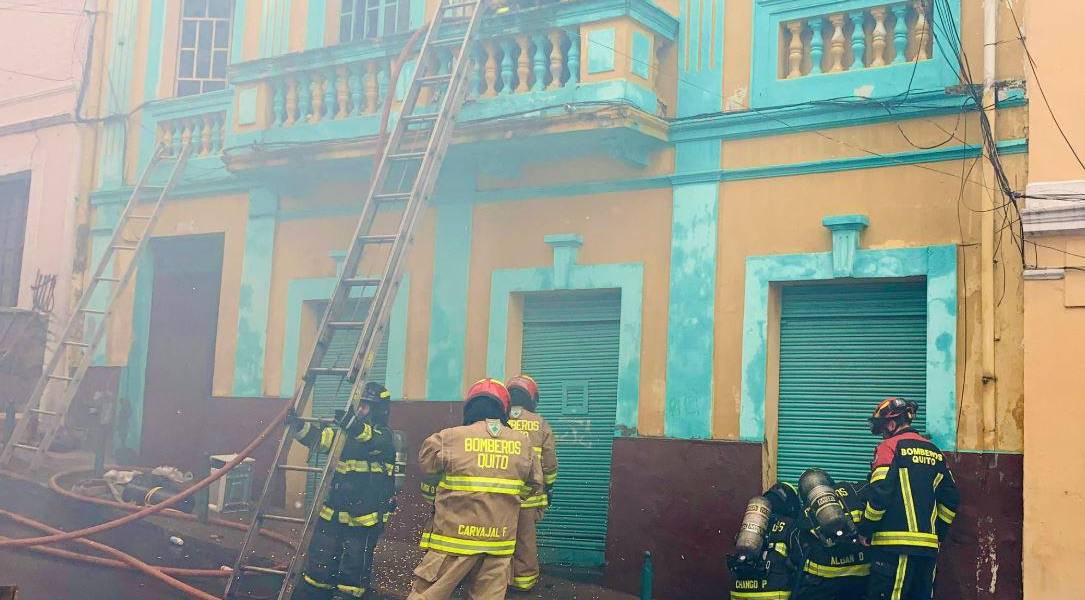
pixel 751 533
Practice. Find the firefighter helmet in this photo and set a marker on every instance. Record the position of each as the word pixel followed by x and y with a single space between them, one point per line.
pixel 379 400
pixel 521 386
pixel 892 409
pixel 490 388
pixel 784 499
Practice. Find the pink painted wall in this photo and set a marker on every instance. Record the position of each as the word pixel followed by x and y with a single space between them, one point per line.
pixel 42 52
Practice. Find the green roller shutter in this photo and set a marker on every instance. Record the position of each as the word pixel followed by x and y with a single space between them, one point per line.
pixel 842 349
pixel 570 347
pixel 330 393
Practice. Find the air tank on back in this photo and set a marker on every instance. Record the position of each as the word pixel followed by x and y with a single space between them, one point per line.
pixel 825 509
pixel 751 533
pixel 400 442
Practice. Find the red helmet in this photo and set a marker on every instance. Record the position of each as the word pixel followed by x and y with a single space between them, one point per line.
pixel 490 388
pixel 527 385
pixel 892 409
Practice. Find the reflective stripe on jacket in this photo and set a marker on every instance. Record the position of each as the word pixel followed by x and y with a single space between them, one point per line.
pixel 543 443
pixel 478 475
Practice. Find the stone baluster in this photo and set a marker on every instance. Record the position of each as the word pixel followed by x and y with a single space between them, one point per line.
pixel 557 59
pixel 316 88
pixel 474 78
pixel 342 92
pixel 900 33
pixel 305 98
pixel 372 87
pixel 523 64
pixel 921 30
pixel 196 136
pixel 186 132
pixel 539 61
pixel 207 123
pixel 878 40
pixel 491 70
pixel 218 132
pixel 178 140
pixel 356 75
pixel 795 50
pixel 836 43
pixel 508 46
pixel 291 102
pixel 573 57
pixel 278 102
pixel 858 39
pixel 164 139
pixel 816 44
pixel 329 85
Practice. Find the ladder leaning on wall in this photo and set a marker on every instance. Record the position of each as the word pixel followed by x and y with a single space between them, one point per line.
pixel 404 176
pixel 51 399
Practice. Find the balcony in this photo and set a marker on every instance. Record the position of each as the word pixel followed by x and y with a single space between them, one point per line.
pixel 551 63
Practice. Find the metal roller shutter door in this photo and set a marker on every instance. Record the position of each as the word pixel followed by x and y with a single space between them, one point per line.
pixel 570 347
pixel 843 348
pixel 330 393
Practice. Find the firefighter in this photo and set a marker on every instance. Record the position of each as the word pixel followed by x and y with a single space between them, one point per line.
pixel 834 569
pixel 764 564
pixel 910 506
pixel 481 472
pixel 524 393
pixel 359 501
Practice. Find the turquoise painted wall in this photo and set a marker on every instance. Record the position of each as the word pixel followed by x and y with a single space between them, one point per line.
pixel 448 310
pixel 256 271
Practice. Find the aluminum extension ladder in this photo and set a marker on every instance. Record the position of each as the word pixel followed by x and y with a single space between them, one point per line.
pixel 404 176
pixel 81 337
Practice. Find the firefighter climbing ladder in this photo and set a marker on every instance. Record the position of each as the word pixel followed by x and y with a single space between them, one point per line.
pixel 80 335
pixel 404 176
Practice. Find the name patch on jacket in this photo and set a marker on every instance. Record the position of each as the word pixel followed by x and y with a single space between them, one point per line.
pixel 481 531
pixel 522 425
pixel 923 456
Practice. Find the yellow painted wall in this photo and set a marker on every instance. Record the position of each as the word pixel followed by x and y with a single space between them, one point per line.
pixel 617 228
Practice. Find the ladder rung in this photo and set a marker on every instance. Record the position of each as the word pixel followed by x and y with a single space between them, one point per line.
pixel 407 156
pixel 27 447
pixel 424 117
pixel 263 570
pixel 92 311
pixel 378 239
pixel 321 420
pixel 392 197
pixel 60 377
pixel 143 217
pixel 300 468
pixel 123 247
pixel 76 344
pixel 457 5
pixel 346 324
pixel 282 518
pixel 362 281
pixel 452 41
pixel 113 279
pixel 433 79
pixel 341 371
pixel 42 411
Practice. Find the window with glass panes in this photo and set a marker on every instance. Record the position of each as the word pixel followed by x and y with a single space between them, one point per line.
pixel 204 49
pixel 368 19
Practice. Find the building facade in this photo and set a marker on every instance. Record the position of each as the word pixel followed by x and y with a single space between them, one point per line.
pixel 42 201
pixel 717 233
pixel 1054 228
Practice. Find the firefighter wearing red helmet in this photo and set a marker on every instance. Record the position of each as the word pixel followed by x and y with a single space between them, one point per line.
pixel 524 393
pixel 480 471
pixel 911 502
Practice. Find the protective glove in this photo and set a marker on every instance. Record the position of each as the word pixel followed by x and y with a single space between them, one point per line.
pixel 292 420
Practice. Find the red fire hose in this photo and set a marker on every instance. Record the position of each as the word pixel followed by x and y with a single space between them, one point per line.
pixel 54 484
pixel 157 508
pixel 124 559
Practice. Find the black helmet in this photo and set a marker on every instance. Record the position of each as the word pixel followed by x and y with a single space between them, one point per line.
pixel 379 400
pixel 892 410
pixel 784 499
